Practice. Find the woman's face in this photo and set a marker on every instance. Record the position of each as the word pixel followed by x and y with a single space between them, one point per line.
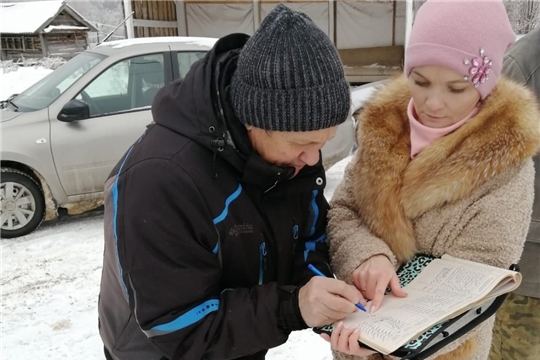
pixel 441 96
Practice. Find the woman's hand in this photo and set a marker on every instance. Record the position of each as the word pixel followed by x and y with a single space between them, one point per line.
pixel 373 277
pixel 346 341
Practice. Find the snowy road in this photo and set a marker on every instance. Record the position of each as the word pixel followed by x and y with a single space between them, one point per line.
pixel 50 281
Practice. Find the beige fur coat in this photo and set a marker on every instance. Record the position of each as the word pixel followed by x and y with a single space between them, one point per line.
pixel 468 194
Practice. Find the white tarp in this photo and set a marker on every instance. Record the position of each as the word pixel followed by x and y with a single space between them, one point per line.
pixel 361 24
pixel 217 20
pixel 27 17
pixel 318 12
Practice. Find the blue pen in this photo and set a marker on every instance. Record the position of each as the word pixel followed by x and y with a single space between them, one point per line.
pixel 318 273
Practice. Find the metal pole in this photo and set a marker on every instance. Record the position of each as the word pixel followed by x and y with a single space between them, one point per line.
pixel 116 28
pixel 409 17
pixel 256 14
pixel 130 31
pixel 181 22
pixel 332 21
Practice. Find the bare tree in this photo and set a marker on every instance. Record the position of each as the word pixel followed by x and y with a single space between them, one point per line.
pixel 524 14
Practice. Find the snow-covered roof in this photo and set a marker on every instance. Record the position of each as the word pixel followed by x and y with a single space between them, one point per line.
pixel 31 17
pixel 63 27
pixel 188 40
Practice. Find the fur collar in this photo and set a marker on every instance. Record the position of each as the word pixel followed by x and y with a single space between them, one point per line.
pixel 391 190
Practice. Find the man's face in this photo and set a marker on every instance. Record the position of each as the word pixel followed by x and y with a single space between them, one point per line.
pixel 294 149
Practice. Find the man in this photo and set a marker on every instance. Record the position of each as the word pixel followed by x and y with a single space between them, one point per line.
pixel 212 217
pixel 516 334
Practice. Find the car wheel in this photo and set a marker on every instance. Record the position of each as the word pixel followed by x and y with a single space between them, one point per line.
pixel 22 206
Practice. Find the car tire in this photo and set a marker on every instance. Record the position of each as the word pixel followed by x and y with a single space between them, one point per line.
pixel 22 204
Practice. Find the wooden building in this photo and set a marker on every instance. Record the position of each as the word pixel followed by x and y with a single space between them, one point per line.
pixel 370 35
pixel 42 28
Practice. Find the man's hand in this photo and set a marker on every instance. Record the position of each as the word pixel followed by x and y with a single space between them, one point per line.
pixel 325 300
pixel 372 278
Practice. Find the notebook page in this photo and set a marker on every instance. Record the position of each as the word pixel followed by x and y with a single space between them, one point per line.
pixel 441 289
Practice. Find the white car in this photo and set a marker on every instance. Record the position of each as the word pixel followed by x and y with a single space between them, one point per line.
pixel 63 135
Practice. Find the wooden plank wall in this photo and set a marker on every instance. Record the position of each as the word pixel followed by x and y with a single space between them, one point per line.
pixel 16 55
pixel 161 10
pixel 65 19
pixel 66 44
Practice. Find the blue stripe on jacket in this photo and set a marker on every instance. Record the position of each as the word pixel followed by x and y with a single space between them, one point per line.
pixel 189 318
pixel 115 216
pixel 228 202
pixel 310 245
pixel 225 212
pixel 315 208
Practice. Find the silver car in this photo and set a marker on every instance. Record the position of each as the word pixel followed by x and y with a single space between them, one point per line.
pixel 63 135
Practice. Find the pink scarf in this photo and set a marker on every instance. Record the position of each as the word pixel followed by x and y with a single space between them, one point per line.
pixel 422 136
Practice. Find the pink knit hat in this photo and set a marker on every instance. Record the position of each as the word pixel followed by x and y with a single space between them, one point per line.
pixel 468 36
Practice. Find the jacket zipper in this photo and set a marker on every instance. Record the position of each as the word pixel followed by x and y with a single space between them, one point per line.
pixel 262 262
pixel 295 234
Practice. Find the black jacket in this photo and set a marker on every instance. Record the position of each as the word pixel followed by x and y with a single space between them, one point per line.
pixel 205 242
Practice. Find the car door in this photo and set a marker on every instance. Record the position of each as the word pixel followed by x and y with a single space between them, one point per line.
pixel 119 100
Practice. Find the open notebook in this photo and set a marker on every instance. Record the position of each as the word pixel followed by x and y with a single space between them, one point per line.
pixel 438 290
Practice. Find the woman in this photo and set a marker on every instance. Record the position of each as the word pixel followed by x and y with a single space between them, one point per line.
pixel 444 164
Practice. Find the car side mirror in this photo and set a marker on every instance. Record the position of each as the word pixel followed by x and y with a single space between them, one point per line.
pixel 74 110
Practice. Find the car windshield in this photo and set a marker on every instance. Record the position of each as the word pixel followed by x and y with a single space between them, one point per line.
pixel 44 92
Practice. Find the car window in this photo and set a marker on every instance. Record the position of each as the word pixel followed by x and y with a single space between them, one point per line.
pixel 186 59
pixel 44 92
pixel 127 85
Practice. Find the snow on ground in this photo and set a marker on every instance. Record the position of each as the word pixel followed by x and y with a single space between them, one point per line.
pixel 50 285
pixel 15 82
pixel 50 281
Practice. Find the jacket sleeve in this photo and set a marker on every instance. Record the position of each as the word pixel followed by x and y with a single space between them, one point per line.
pixel 312 247
pixel 512 70
pixel 495 226
pixel 172 273
pixel 350 241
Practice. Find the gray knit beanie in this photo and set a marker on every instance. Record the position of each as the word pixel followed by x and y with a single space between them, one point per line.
pixel 290 77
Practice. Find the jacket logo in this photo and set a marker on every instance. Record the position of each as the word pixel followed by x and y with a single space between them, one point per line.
pixel 240 229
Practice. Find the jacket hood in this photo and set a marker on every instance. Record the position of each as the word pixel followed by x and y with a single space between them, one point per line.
pixel 198 108
pixel 391 190
pixel 189 106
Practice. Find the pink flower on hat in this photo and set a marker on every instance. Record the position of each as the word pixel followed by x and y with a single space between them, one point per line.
pixel 480 68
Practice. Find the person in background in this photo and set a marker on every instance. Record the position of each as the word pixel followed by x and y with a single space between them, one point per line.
pixel 213 216
pixel 516 334
pixel 444 164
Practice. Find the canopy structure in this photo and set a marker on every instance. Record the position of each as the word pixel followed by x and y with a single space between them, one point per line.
pixel 370 35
